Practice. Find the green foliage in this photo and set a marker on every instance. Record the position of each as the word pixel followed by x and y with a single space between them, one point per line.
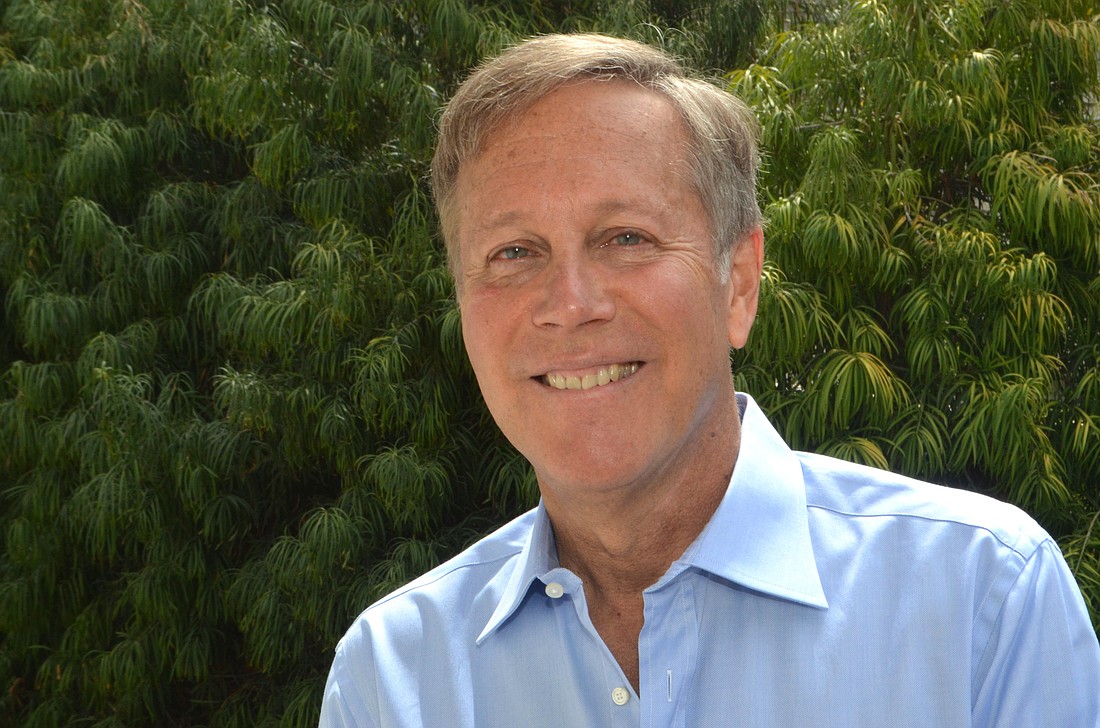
pixel 234 403
pixel 933 289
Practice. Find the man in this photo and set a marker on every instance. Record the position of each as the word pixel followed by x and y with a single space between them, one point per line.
pixel 684 567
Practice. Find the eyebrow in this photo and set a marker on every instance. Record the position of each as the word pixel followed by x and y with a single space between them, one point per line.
pixel 609 207
pixel 500 219
pixel 511 217
pixel 648 216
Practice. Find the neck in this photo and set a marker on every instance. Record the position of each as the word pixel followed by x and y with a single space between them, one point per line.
pixel 625 553
pixel 621 541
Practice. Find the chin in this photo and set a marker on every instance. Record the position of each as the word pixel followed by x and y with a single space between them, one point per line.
pixel 584 471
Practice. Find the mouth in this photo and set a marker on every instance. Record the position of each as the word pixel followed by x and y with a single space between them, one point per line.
pixel 596 377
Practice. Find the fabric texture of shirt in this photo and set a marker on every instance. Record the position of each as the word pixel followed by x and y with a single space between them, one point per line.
pixel 820 593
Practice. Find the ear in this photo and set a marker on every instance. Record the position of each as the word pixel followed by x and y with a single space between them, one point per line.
pixel 746 265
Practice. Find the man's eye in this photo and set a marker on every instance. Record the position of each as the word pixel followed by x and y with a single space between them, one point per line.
pixel 628 238
pixel 512 252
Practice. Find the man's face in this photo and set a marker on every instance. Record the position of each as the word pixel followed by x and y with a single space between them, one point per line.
pixel 592 312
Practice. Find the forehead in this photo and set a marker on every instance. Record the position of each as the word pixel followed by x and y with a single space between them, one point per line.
pixel 591 110
pixel 616 130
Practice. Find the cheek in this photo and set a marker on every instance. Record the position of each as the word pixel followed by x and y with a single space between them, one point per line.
pixel 693 316
pixel 473 337
pixel 685 298
pixel 485 332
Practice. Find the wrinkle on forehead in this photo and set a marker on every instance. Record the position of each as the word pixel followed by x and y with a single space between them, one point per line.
pixel 658 114
pixel 646 131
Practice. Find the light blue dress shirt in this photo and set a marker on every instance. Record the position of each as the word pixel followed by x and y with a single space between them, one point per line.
pixel 821 593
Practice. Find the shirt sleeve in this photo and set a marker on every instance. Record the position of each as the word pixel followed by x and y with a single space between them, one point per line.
pixel 1041 665
pixel 343 706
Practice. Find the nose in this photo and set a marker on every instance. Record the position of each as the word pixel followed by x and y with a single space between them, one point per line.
pixel 573 293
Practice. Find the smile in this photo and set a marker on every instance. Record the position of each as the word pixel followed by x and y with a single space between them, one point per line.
pixel 598 378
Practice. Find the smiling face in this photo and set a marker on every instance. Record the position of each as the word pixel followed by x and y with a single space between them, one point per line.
pixel 596 323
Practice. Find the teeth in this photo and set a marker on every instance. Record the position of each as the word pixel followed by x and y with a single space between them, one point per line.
pixel 605 375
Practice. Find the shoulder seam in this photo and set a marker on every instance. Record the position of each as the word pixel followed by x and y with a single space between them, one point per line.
pixel 976 526
pixel 423 581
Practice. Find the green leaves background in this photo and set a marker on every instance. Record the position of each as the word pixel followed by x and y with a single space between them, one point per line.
pixel 234 404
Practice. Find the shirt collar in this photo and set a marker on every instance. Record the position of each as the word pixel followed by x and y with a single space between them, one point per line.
pixel 759 537
pixel 539 556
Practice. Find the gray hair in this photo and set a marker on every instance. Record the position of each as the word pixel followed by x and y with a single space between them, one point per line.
pixel 721 128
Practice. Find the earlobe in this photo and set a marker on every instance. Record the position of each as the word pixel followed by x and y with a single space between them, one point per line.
pixel 746 265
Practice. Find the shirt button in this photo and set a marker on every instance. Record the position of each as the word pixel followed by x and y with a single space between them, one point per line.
pixel 554 590
pixel 619 696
